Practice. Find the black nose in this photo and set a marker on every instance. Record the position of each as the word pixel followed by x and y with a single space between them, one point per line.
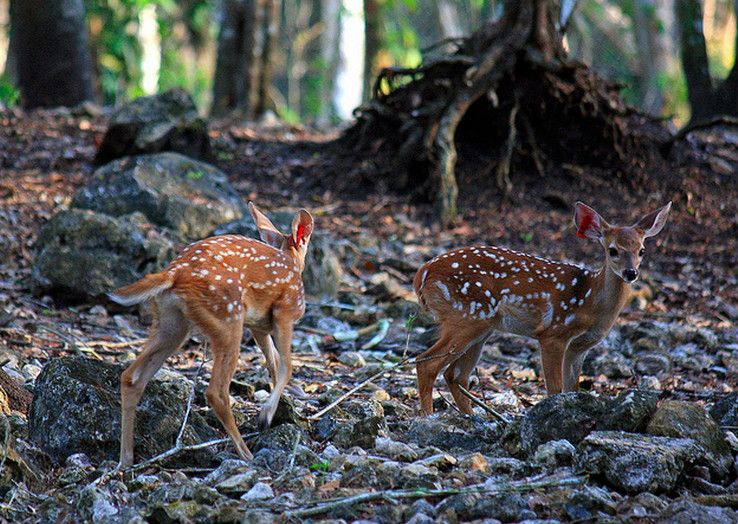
pixel 630 274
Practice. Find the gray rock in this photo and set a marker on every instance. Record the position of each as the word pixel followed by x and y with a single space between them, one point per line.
pixel 631 410
pixel 589 503
pixel 506 507
pixel 366 423
pixel 372 473
pixel 76 409
pixel 653 363
pixel 260 491
pixel 171 190
pixel 238 483
pixel 352 359
pixel 610 363
pixel 636 463
pixel 150 124
pixel 686 419
pixel 274 448
pixel 685 511
pixel 323 270
pixel 96 505
pixel 725 410
pixel 395 450
pixel 227 469
pixel 569 416
pixel 81 255
pixel 452 431
pixel 554 453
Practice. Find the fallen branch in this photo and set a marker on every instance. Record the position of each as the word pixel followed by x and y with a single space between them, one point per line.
pixel 482 405
pixel 391 495
pixel 356 388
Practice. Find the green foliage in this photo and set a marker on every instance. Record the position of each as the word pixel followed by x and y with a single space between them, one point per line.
pixel 195 174
pixel 321 466
pixel 9 94
pixel 113 36
pixel 526 237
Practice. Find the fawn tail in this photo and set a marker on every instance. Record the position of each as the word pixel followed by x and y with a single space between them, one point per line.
pixel 146 288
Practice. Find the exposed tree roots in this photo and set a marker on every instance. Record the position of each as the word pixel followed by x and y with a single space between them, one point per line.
pixel 506 90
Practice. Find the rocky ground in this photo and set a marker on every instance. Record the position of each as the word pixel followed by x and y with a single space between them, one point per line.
pixel 650 439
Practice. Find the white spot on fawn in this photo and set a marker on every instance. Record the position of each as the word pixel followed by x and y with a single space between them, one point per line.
pixel 444 290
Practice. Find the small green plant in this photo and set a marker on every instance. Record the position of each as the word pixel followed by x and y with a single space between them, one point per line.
pixel 195 174
pixel 526 237
pixel 9 94
pixel 320 466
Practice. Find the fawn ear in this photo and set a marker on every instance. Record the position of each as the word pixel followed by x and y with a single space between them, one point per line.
pixel 268 233
pixel 654 222
pixel 302 228
pixel 589 223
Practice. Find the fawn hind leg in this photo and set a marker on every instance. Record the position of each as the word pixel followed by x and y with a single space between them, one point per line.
pixel 458 373
pixel 429 364
pixel 167 335
pixel 226 345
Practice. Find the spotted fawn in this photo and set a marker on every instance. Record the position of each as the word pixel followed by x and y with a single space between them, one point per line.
pixel 219 285
pixel 475 290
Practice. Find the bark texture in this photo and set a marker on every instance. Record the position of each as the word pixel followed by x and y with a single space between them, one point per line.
pixel 243 71
pixel 707 99
pixel 51 51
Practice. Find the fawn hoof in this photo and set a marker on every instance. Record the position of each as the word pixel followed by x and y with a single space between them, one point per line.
pixel 265 421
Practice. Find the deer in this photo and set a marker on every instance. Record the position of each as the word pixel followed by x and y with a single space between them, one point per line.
pixel 220 285
pixel 568 309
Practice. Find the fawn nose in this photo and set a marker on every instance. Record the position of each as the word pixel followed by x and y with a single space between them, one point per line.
pixel 630 274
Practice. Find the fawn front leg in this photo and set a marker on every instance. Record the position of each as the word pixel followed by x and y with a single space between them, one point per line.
pixel 283 338
pixel 574 356
pixel 266 345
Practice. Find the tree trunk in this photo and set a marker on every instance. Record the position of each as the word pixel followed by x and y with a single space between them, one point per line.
pixel 238 57
pixel 645 37
pixel 52 52
pixel 270 30
pixel 706 100
pixel 329 47
pixel 374 36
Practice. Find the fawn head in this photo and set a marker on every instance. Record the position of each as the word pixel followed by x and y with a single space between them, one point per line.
pixel 295 243
pixel 623 244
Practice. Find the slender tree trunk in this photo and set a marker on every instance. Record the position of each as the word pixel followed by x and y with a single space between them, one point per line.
pixel 374 35
pixel 270 32
pixel 705 99
pixel 329 52
pixel 4 35
pixel 645 37
pixel 52 52
pixel 235 70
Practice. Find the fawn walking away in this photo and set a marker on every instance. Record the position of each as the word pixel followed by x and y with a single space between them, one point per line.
pixel 568 309
pixel 218 285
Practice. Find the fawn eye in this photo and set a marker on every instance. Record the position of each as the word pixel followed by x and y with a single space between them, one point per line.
pixel 642 252
pixel 613 252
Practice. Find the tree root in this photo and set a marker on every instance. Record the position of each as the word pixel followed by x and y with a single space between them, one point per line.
pixel 418 114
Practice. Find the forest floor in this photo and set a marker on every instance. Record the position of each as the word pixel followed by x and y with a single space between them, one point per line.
pixel 690 271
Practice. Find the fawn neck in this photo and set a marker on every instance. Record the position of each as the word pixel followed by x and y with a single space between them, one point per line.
pixel 610 294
